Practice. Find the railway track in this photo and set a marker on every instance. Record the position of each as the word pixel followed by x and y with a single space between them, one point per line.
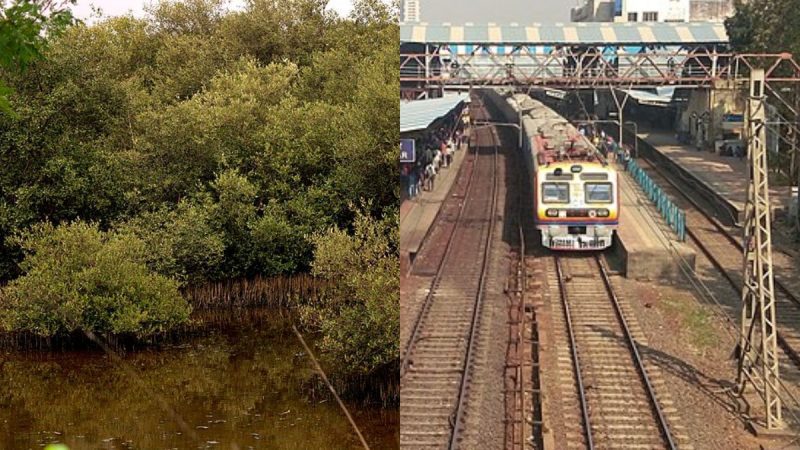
pixel 724 251
pixel 436 361
pixel 615 396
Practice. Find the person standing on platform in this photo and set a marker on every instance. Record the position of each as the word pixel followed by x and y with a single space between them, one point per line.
pixel 430 176
pixel 405 180
pixel 419 170
pixel 450 150
pixel 412 182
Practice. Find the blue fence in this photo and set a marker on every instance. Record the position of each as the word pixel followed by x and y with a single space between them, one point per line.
pixel 675 217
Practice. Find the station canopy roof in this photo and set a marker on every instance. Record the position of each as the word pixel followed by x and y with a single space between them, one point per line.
pixel 575 33
pixel 662 96
pixel 419 114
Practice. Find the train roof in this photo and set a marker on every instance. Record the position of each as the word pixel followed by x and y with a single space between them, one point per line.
pixel 552 136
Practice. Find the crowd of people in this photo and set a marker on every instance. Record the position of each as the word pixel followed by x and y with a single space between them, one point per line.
pixel 437 149
pixel 608 148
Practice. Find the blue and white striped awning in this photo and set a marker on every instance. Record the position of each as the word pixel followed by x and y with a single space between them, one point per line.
pixel 575 33
pixel 419 114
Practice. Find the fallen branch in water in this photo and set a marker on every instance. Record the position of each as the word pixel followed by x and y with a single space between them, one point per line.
pixel 330 387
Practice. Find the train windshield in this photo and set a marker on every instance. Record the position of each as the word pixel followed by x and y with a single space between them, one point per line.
pixel 597 192
pixel 555 192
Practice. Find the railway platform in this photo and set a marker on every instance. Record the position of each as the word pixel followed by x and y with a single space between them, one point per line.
pixel 722 180
pixel 417 215
pixel 647 247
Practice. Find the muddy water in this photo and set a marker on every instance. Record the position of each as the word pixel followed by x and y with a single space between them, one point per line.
pixel 244 385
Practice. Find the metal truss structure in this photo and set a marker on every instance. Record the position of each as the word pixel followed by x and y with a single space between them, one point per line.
pixel 427 70
pixel 758 358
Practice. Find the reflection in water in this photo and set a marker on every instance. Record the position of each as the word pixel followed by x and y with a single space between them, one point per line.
pixel 238 387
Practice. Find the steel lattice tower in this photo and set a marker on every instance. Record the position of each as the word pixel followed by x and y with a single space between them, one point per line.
pixel 758 358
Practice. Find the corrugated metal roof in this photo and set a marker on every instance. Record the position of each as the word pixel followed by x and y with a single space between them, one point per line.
pixel 566 33
pixel 661 98
pixel 419 114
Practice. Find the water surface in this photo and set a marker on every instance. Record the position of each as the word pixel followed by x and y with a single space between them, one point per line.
pixel 245 385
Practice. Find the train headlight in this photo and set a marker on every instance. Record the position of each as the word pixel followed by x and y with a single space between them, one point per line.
pixel 551 212
pixel 602 213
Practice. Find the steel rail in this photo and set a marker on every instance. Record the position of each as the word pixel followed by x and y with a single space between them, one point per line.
pixel 662 422
pixel 459 412
pixel 522 277
pixel 521 285
pixel 721 228
pixel 632 346
pixel 435 281
pixel 791 352
pixel 573 347
pixel 481 242
pixel 784 344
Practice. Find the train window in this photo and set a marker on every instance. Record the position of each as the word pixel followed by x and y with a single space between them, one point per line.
pixel 597 192
pixel 555 193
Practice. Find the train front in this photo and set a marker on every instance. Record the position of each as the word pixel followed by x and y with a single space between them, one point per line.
pixel 577 205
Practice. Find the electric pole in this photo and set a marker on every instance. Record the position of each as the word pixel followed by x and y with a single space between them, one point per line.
pixel 758 348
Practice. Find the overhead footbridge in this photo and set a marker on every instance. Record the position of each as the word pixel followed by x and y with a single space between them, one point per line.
pixel 434 57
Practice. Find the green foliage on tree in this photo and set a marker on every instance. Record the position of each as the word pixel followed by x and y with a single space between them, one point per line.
pixel 359 321
pixel 251 129
pixel 765 26
pixel 25 26
pixel 205 144
pixel 181 242
pixel 77 277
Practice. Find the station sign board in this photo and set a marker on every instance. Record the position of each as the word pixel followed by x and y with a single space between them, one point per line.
pixel 408 151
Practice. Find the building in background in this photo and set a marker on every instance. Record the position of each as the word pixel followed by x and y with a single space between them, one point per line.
pixel 410 11
pixel 596 11
pixel 648 10
pixel 711 10
pixel 654 11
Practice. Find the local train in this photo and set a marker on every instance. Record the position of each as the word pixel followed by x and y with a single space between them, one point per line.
pixel 576 205
pixel 575 189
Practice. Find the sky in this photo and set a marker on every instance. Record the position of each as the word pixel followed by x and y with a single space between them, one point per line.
pixel 83 9
pixel 500 11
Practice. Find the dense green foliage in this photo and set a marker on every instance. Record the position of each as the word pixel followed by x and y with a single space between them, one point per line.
pixel 772 26
pixel 80 278
pixel 213 144
pixel 25 26
pixel 360 320
pixel 765 26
